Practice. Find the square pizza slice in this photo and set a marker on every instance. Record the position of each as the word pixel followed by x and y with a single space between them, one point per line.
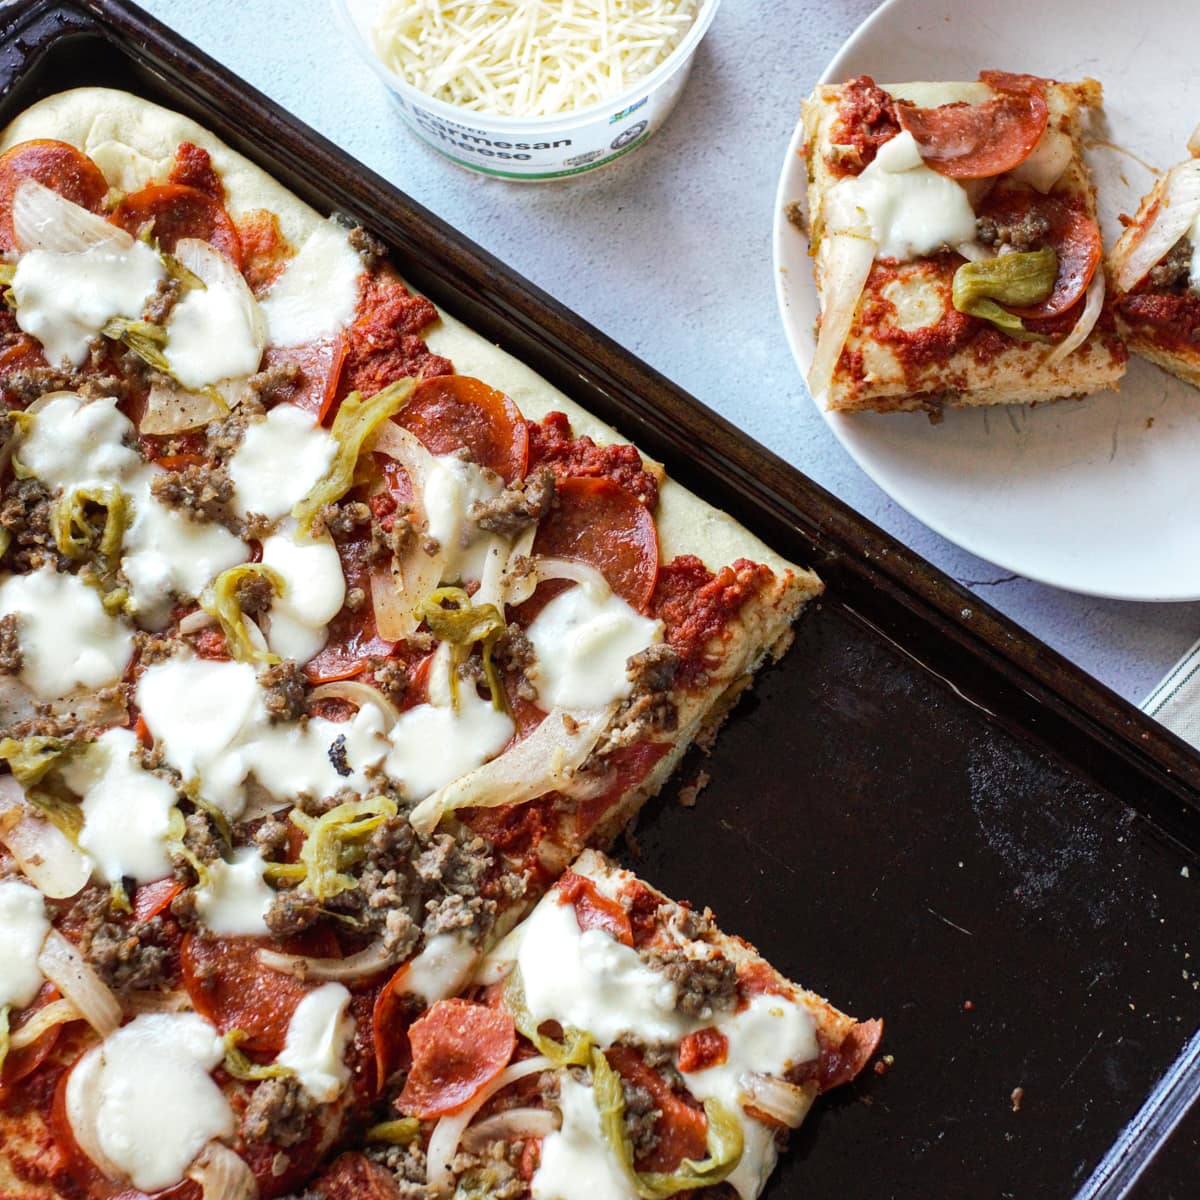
pixel 616 1045
pixel 957 256
pixel 1155 267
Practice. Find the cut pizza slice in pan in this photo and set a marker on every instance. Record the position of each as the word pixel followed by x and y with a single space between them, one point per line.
pixel 617 1045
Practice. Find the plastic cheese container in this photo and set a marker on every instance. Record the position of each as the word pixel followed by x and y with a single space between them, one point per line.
pixel 543 147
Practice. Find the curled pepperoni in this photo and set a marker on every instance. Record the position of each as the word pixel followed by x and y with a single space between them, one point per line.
pixel 1007 81
pixel 231 988
pixel 1073 234
pixel 977 141
pixel 703 1049
pixel 390 1020
pixel 458 1048
pixel 596 522
pixel 175 211
pixel 840 1064
pixel 453 412
pixel 593 910
pixel 153 898
pixel 59 167
pixel 20 1063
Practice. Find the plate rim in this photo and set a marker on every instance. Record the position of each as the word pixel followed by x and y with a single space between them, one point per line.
pixel 781 228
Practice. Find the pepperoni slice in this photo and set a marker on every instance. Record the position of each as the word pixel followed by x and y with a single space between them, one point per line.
pixel 596 522
pixel 320 364
pixel 153 898
pixel 703 1049
pixel 458 1048
pixel 840 1064
pixel 593 910
pixel 1073 234
pixel 682 1129
pixel 58 166
pixel 177 211
pixel 977 141
pixel 453 412
pixel 232 989
pixel 1007 81
pixel 353 1175
pixel 390 1020
pixel 20 1063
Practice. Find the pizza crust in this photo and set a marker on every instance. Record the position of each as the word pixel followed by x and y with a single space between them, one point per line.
pixel 871 374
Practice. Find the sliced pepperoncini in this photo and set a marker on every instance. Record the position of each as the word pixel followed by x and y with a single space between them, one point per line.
pixel 1019 279
pixel 78 532
pixel 220 600
pixel 575 1050
pixel 334 841
pixel 725 1140
pixel 356 420
pixel 462 626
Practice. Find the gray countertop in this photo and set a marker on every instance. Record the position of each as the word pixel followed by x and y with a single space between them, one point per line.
pixel 669 252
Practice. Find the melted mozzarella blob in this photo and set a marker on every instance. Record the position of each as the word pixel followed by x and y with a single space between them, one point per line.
pixel 211 720
pixel 436 743
pixel 577 1163
pixel 588 980
pixel 145 1100
pixel 314 592
pixel 75 441
pixel 905 207
pixel 234 897
pixel 67 640
pixel 212 335
pixel 167 554
pixel 451 486
pixel 442 968
pixel 64 300
pixel 583 643
pixel 317 294
pixel 279 462
pixel 317 1037
pixel 126 810
pixel 23 929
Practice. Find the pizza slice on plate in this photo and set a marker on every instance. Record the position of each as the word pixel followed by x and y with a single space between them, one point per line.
pixel 1156 269
pixel 329 634
pixel 956 250
pixel 615 1045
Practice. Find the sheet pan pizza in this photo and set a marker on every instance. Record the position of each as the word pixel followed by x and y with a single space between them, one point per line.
pixel 330 637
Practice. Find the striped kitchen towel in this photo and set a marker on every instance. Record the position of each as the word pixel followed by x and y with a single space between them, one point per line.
pixel 1176 700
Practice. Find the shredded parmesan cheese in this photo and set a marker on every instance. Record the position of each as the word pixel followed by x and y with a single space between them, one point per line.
pixel 531 58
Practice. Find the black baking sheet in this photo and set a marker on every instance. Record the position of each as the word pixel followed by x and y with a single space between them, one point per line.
pixel 921 812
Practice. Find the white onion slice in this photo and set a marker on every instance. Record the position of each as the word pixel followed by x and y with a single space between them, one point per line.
pixel 17 703
pixel 173 410
pixel 222 1174
pixel 545 761
pixel 1179 203
pixel 369 961
pixel 396 592
pixel 447 1133
pixel 44 220
pixel 847 263
pixel 580 572
pixel 57 1012
pixel 196 621
pixel 1093 303
pixel 354 691
pixel 513 1125
pixel 149 1001
pixel 62 964
pixel 515 586
pixel 1050 158
pixel 783 1102
pixel 46 856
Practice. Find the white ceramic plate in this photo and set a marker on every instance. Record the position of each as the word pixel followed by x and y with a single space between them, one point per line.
pixel 1100 496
